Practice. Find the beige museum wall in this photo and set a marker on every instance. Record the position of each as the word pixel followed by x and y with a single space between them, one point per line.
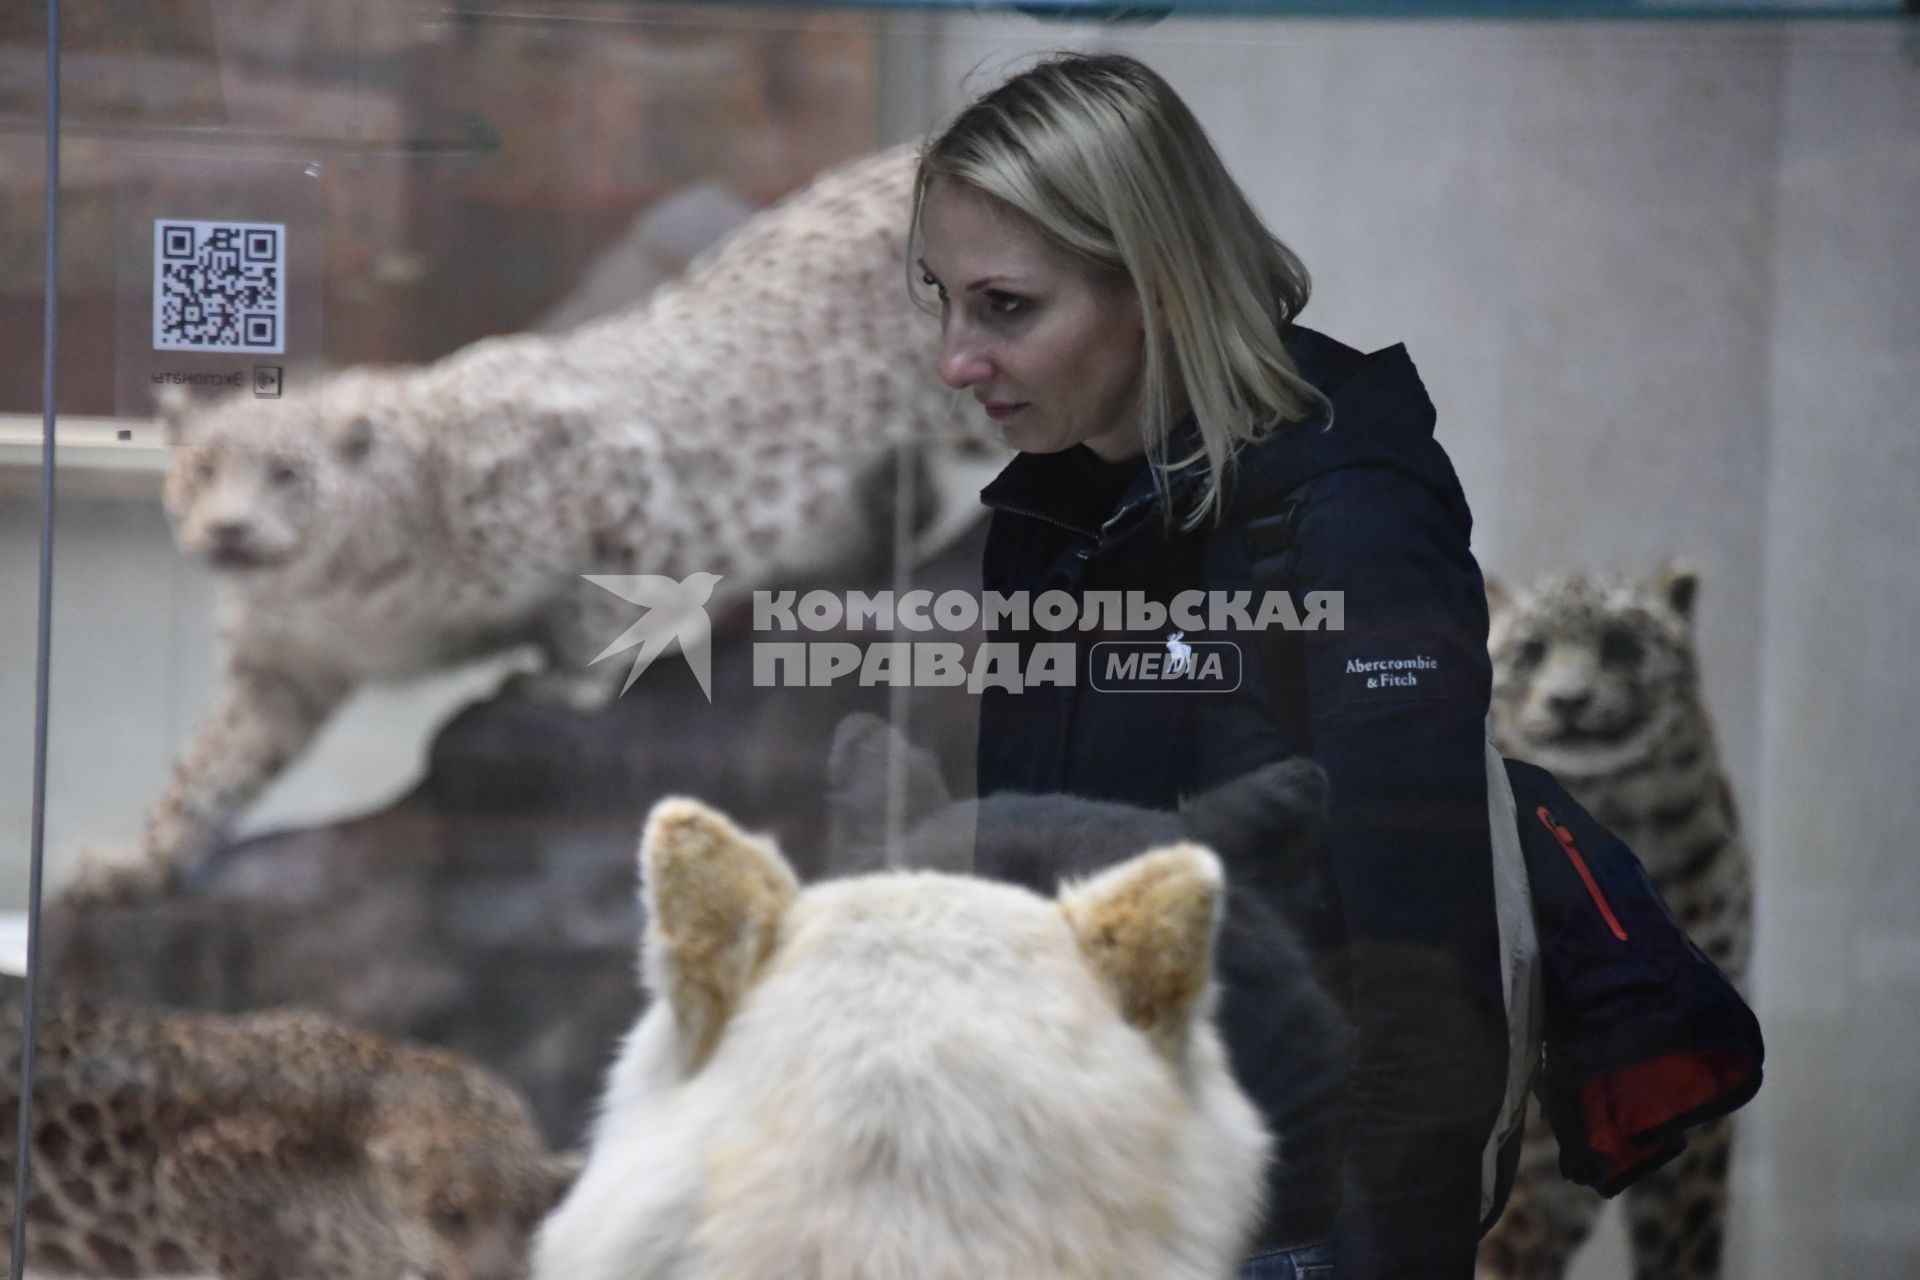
pixel 1836 802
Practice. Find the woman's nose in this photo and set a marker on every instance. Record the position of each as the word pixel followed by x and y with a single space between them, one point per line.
pixel 961 363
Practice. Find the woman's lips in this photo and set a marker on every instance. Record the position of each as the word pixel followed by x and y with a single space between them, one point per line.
pixel 1001 412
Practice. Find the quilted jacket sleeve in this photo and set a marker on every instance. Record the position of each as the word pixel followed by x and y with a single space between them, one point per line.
pixel 1396 705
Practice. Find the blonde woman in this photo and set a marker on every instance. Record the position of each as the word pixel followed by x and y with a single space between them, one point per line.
pixel 1114 304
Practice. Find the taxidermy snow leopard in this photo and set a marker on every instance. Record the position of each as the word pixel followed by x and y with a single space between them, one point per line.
pixel 271 1146
pixel 915 1076
pixel 1595 679
pixel 730 432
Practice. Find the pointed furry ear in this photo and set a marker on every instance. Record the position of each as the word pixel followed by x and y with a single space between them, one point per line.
pixel 561 1171
pixel 173 406
pixel 874 769
pixel 1678 584
pixel 1267 824
pixel 352 440
pixel 1147 927
pixel 714 898
pixel 1497 598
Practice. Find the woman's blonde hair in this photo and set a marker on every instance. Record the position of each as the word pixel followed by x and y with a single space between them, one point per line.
pixel 1107 162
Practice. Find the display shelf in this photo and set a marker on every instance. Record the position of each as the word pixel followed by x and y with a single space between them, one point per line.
pixel 98 457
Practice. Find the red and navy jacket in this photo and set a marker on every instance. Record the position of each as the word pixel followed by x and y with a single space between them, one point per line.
pixel 1393 706
pixel 1645 1037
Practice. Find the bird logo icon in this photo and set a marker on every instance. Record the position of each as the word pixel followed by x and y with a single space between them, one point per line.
pixel 675 610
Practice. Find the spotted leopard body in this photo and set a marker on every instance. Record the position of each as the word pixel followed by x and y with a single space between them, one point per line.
pixel 1596 679
pixel 270 1146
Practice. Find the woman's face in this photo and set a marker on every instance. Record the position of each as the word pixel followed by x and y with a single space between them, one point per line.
pixel 1052 353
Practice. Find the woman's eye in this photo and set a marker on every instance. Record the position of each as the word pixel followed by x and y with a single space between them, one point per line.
pixel 1006 304
pixel 926 278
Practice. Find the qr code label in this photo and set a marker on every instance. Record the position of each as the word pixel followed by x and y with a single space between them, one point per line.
pixel 219 286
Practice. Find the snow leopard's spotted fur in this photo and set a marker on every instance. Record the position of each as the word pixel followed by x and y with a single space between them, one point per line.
pixel 1595 679
pixel 388 522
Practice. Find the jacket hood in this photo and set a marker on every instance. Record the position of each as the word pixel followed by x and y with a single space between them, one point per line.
pixel 1382 417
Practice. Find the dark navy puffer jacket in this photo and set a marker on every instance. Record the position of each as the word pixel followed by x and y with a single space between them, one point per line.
pixel 1407 937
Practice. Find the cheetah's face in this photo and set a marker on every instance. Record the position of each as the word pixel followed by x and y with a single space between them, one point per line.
pixel 252 482
pixel 478 1222
pixel 472 1189
pixel 1587 663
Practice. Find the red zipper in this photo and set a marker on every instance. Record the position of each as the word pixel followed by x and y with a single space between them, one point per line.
pixel 1565 837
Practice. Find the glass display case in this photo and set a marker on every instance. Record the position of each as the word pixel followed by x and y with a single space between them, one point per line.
pixel 477 421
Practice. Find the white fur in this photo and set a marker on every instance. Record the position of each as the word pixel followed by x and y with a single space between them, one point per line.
pixel 926 1080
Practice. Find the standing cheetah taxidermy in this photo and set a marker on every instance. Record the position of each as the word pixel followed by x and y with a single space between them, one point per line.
pixel 275 1146
pixel 915 1076
pixel 1595 678
pixel 386 523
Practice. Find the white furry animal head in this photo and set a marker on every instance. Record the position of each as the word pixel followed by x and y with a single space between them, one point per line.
pixel 250 480
pixel 915 1076
pixel 1589 670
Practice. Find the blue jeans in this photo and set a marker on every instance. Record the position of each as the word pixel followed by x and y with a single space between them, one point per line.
pixel 1307 1262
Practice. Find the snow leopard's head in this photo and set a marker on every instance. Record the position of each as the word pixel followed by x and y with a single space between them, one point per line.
pixel 258 484
pixel 1590 668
